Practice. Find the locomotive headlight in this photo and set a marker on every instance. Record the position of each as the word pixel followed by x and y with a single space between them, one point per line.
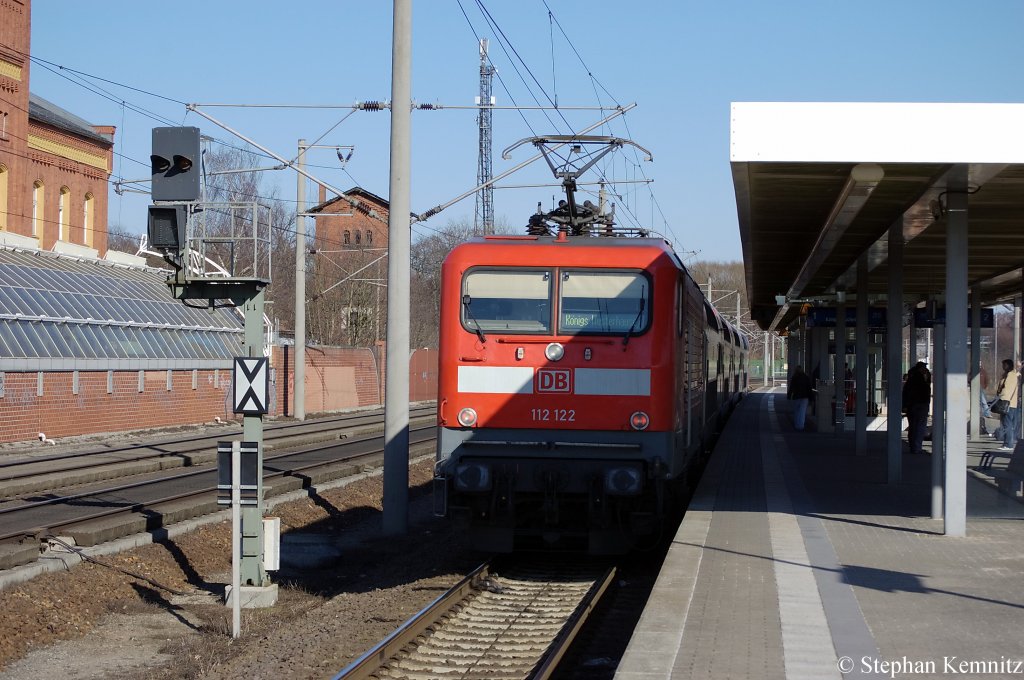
pixel 472 477
pixel 623 481
pixel 638 421
pixel 554 351
pixel 467 417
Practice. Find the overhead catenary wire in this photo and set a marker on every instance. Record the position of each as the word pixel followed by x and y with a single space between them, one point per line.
pixel 506 44
pixel 625 122
pixel 511 51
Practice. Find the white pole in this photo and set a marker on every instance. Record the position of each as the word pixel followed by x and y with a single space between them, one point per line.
pixel 396 394
pixel 236 539
pixel 299 391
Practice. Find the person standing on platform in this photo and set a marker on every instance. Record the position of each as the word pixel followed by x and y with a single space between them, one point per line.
pixel 1009 392
pixel 800 392
pixel 917 396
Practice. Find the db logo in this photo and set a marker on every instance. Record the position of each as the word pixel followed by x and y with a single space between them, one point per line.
pixel 554 380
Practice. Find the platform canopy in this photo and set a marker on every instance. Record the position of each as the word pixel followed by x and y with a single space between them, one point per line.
pixel 819 184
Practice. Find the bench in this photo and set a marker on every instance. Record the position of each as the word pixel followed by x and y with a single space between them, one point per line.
pixel 1009 480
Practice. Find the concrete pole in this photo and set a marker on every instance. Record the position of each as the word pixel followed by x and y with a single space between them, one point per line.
pixel 1018 320
pixel 912 355
pixel 253 573
pixel 1016 331
pixel 956 354
pixel 299 408
pixel 861 416
pixel 396 395
pixel 894 356
pixel 973 369
pixel 766 359
pixel 839 417
pixel 938 418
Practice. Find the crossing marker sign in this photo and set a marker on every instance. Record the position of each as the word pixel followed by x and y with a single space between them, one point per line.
pixel 252 384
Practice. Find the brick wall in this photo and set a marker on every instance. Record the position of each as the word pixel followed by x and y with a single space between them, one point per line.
pixel 59 412
pixel 345 377
pixel 337 378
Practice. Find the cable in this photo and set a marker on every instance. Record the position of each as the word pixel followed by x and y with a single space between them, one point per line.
pixel 87 75
pixel 501 80
pixel 625 122
pixel 88 558
pixel 502 42
pixel 551 39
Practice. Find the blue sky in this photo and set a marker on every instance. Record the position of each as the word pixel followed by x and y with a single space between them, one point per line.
pixel 682 62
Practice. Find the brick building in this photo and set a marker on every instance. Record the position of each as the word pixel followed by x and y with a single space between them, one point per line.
pixel 54 166
pixel 349 269
pixel 340 224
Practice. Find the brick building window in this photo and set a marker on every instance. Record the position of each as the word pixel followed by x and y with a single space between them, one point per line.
pixel 87 218
pixel 4 175
pixel 63 215
pixel 369 237
pixel 359 237
pixel 347 237
pixel 37 208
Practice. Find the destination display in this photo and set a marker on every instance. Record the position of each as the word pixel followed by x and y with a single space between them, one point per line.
pixel 825 317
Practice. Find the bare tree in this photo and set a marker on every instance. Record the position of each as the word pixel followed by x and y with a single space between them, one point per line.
pixel 233 176
pixel 124 242
pixel 347 299
pixel 427 255
pixel 727 279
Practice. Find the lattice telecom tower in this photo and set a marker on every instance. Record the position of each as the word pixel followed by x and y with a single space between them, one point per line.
pixel 484 216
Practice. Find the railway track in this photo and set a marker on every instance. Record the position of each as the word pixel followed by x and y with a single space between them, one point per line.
pixel 38 471
pixel 507 623
pixel 147 503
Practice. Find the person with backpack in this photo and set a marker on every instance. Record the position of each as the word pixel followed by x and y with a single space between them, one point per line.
pixel 917 397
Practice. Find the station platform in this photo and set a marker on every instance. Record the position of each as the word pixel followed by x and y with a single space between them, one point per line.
pixel 797 560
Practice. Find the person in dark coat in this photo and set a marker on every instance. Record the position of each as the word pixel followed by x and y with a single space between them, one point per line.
pixel 800 391
pixel 917 397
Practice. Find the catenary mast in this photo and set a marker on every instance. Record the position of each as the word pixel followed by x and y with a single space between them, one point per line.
pixel 484 215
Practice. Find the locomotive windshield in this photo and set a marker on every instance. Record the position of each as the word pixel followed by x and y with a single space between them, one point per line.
pixel 589 301
pixel 603 302
pixel 516 300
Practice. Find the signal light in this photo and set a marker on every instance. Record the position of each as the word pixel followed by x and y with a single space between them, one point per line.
pixel 173 159
pixel 554 351
pixel 160 164
pixel 467 417
pixel 639 421
pixel 166 227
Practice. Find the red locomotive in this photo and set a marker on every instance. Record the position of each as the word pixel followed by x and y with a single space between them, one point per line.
pixel 581 378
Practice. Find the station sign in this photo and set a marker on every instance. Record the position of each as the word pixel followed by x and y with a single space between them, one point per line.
pixel 825 317
pixel 928 318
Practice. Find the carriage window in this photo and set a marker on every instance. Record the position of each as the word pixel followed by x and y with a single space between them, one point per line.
pixel 604 302
pixel 515 301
